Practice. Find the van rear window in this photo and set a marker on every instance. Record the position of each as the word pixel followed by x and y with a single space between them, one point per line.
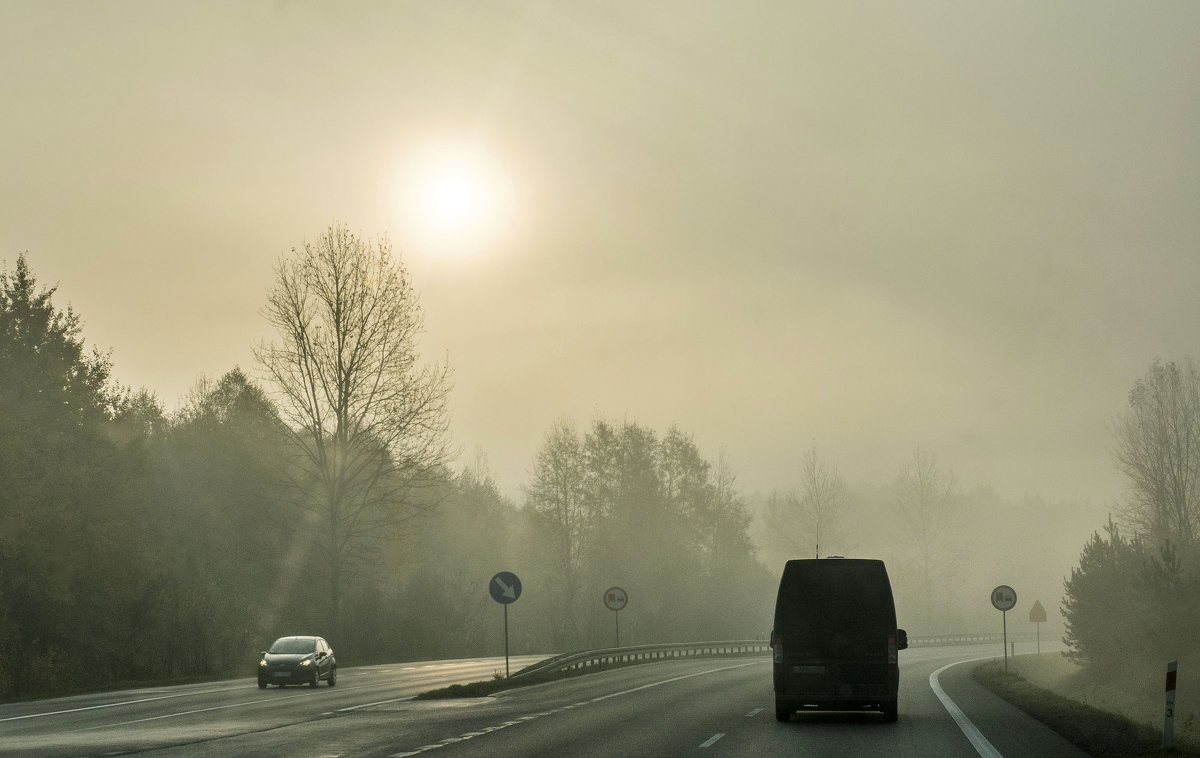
pixel 854 592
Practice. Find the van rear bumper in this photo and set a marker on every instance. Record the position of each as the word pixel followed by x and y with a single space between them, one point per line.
pixel 803 685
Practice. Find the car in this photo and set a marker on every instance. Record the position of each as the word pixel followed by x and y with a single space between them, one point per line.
pixel 297 660
pixel 835 640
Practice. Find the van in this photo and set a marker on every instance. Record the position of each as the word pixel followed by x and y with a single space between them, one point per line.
pixel 835 641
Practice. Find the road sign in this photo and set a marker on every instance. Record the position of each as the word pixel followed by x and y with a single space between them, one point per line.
pixel 1037 614
pixel 1004 598
pixel 615 598
pixel 505 587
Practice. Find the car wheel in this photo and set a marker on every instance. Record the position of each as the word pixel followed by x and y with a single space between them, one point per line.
pixel 333 676
pixel 783 710
pixel 316 678
pixel 261 684
pixel 890 711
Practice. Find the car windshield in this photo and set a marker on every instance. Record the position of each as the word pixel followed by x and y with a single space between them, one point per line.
pixel 293 645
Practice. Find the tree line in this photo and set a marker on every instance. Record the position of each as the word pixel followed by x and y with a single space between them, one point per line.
pixel 1133 601
pixel 143 545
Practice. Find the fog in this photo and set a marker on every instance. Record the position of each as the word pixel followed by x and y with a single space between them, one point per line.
pixel 868 227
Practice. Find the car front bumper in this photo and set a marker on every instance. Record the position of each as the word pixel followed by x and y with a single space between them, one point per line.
pixel 290 675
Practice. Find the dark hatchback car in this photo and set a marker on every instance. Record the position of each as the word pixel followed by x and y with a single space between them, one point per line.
pixel 297 660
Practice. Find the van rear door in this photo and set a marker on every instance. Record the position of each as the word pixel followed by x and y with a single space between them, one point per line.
pixel 833 620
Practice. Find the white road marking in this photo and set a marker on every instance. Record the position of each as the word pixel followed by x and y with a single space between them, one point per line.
pixel 712 739
pixel 381 702
pixel 185 713
pixel 978 741
pixel 530 716
pixel 114 705
pixel 418 751
pixel 209 691
pixel 754 712
pixel 668 681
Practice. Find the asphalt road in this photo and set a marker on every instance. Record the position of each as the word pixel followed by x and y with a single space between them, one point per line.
pixel 704 708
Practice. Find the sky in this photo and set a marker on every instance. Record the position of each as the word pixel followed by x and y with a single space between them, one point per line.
pixel 865 226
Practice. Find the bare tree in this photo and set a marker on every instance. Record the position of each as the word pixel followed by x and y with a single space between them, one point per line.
pixel 371 422
pixel 811 517
pixel 929 502
pixel 1158 449
pixel 730 541
pixel 557 497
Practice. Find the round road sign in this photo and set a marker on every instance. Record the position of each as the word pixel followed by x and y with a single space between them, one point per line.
pixel 615 598
pixel 505 587
pixel 1004 598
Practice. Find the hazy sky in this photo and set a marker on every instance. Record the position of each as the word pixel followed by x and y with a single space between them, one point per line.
pixel 872 226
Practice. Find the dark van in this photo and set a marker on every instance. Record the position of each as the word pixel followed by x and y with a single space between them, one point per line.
pixel 835 638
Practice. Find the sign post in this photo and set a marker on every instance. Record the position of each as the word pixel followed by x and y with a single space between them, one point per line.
pixel 505 588
pixel 1169 717
pixel 1003 600
pixel 1037 614
pixel 615 599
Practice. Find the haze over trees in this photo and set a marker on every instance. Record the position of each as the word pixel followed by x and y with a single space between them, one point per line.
pixel 930 506
pixel 621 506
pixel 141 545
pixel 812 519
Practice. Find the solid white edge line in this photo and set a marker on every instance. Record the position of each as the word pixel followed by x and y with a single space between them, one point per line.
pixel 978 741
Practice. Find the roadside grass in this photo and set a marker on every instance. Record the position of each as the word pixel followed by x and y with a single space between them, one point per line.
pixel 1096 732
pixel 473 689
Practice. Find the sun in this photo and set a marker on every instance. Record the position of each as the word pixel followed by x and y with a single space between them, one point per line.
pixel 455 199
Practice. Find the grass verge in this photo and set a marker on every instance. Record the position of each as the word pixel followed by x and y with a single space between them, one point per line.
pixel 491 686
pixel 474 689
pixel 1096 732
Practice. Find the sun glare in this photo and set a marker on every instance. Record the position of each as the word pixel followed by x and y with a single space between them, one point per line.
pixel 455 201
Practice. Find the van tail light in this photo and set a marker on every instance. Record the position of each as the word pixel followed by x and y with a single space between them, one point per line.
pixel 777 647
pixel 893 658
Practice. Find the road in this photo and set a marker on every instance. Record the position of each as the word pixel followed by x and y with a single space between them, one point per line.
pixel 704 708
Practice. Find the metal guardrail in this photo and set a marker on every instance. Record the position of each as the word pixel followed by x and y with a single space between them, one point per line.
pixel 568 664
pixel 934 640
pixel 591 660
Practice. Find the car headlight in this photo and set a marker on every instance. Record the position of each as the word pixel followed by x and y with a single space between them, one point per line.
pixel 306 662
pixel 262 662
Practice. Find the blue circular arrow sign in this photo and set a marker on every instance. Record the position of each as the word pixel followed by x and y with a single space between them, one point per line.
pixel 505 587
